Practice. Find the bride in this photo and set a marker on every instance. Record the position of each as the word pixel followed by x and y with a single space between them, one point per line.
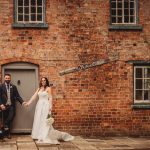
pixel 41 130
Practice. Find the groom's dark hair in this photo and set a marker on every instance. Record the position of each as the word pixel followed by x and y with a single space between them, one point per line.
pixel 7 74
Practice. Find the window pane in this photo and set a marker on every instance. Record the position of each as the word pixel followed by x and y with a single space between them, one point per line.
pixel 33 2
pixel 138 95
pixel 26 2
pixel 39 2
pixel 39 17
pixel 138 83
pixel 26 10
pixel 33 9
pixel 120 5
pixel 138 72
pixel 147 84
pixel 39 10
pixel 126 12
pixel 119 19
pixel 131 4
pixel 147 72
pixel 33 17
pixel 20 17
pixel 131 11
pixel 126 4
pixel 113 19
pixel 113 4
pixel 119 12
pixel 20 9
pixel 132 19
pixel 146 96
pixel 26 17
pixel 126 19
pixel 20 2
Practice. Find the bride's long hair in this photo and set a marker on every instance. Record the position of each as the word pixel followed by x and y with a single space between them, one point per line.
pixel 47 82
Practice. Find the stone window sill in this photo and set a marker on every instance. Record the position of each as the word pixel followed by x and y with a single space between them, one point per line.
pixel 140 106
pixel 30 25
pixel 125 27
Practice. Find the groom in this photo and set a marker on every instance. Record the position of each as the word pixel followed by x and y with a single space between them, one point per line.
pixel 8 96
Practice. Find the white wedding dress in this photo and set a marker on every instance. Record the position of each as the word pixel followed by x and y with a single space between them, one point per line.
pixel 41 130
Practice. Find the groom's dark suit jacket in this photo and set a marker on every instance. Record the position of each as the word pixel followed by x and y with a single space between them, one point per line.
pixel 14 95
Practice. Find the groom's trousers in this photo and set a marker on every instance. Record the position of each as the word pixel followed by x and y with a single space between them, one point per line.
pixel 9 115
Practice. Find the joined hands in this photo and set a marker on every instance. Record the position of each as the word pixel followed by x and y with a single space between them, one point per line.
pixel 25 104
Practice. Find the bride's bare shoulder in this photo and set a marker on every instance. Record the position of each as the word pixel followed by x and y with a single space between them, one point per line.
pixel 49 89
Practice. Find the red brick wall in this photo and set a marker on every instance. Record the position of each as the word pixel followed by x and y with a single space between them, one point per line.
pixel 96 101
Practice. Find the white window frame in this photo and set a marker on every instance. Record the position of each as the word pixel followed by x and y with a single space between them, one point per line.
pixel 123 21
pixel 36 13
pixel 143 87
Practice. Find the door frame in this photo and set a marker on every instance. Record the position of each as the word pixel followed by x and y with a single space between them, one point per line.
pixel 21 66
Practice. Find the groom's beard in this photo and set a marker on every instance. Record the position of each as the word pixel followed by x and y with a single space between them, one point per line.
pixel 7 81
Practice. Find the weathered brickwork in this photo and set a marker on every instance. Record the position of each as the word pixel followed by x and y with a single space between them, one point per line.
pixel 96 101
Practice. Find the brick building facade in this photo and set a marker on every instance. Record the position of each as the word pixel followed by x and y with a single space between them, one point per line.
pixel 102 100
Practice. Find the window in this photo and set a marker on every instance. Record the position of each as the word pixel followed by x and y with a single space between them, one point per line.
pixel 123 11
pixel 124 14
pixel 29 13
pixel 142 84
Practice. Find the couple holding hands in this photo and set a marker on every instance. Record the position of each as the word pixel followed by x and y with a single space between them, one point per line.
pixel 41 130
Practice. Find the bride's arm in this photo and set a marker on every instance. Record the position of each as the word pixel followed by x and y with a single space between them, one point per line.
pixel 50 97
pixel 33 98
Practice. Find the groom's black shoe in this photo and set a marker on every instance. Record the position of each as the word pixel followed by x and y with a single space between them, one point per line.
pixel 7 132
pixel 9 136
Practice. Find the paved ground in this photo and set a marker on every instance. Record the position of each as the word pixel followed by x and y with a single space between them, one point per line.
pixel 24 142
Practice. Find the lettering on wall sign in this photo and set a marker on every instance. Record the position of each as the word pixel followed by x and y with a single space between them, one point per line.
pixel 85 66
